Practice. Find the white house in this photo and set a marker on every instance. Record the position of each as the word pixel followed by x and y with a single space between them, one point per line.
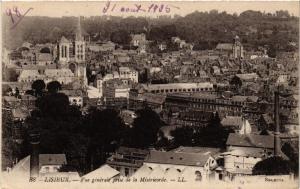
pixel 129 73
pixel 194 163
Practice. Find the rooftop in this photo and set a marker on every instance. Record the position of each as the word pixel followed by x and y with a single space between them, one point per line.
pixel 224 46
pixel 178 158
pixel 250 140
pixel 232 121
pixel 177 85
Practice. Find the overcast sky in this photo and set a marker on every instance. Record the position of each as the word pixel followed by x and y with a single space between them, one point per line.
pixel 71 8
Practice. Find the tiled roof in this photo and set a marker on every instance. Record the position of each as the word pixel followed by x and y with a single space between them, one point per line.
pixel 177 158
pixel 29 74
pixel 152 98
pixel 72 93
pixel 52 159
pixel 250 140
pixel 124 149
pixel 248 76
pixel 245 98
pixel 232 121
pixel 44 159
pixel 198 150
pixel 224 46
pixel 177 85
pixel 59 72
pixel 44 57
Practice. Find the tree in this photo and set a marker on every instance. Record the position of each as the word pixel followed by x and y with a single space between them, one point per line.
pixel 182 136
pixel 60 126
pixel 213 135
pixel 38 86
pixel 236 82
pixel 266 167
pixel 162 142
pixel 291 151
pixel 121 37
pixel 54 105
pixel 104 129
pixel 53 86
pixel 145 128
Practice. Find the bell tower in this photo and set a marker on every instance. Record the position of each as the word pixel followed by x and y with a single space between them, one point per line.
pixel 79 44
pixel 237 48
pixel 80 54
pixel 64 51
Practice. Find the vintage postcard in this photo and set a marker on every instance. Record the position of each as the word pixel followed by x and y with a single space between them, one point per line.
pixel 149 94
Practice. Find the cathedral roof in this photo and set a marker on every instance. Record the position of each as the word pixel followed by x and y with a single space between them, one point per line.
pixel 64 40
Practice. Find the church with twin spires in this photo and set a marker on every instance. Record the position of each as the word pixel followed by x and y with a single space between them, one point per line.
pixel 71 55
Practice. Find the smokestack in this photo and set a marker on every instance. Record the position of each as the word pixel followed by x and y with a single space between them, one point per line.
pixel 277 130
pixel 34 157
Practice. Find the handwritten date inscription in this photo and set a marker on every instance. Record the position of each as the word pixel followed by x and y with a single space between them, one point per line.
pixel 136 8
pixel 16 15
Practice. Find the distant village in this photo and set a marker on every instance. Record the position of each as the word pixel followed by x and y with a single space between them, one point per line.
pixel 253 95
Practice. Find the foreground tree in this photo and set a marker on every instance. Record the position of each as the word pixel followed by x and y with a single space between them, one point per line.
pixel 212 135
pixel 183 136
pixel 291 150
pixel 53 87
pixel 60 126
pixel 38 86
pixel 104 130
pixel 145 129
pixel 272 166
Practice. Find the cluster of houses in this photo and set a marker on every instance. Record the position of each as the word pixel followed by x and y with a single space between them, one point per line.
pixel 195 164
pixel 184 87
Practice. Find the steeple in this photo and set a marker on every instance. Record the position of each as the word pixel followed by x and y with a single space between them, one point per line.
pixel 78 31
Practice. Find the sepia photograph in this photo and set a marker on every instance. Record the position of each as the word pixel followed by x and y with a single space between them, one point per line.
pixel 149 94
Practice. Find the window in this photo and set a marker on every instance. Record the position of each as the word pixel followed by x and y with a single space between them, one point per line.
pixel 269 153
pixel 47 169
pixel 126 171
pixel 198 175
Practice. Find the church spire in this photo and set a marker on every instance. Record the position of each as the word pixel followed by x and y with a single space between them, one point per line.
pixel 78 31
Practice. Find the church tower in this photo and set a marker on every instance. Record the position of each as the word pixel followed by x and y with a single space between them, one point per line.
pixel 80 54
pixel 237 48
pixel 79 44
pixel 64 51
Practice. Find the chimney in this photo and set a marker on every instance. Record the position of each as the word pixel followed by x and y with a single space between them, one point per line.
pixel 277 130
pixel 34 157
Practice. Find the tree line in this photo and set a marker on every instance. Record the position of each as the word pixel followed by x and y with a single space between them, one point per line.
pixel 203 29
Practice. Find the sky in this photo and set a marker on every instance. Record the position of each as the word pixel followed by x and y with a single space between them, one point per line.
pixel 117 8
